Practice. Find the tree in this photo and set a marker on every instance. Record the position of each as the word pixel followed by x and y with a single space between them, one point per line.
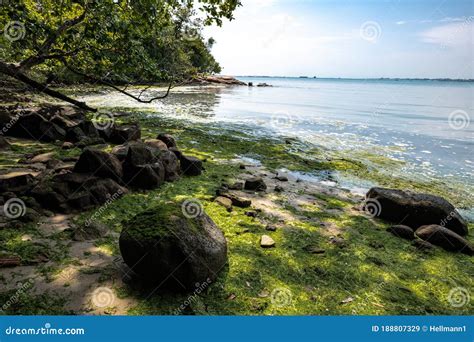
pixel 110 42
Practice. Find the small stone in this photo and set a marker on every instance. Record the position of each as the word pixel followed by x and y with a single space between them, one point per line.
pixel 67 145
pixel 402 231
pixel 281 177
pixel 42 158
pixel 191 166
pixel 168 139
pixel 279 188
pixel 255 184
pixel 242 166
pixel 251 213
pixel 225 202
pixel 339 242
pixel 267 242
pixel 236 186
pixel 237 201
pixel 271 228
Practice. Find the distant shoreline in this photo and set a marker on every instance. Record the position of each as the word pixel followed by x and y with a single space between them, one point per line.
pixel 363 79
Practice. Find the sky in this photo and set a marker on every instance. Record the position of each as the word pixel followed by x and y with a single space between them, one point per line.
pixel 348 38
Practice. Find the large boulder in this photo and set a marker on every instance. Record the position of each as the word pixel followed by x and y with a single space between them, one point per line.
pixel 168 139
pixel 445 238
pixel 17 181
pixel 415 210
pixel 124 133
pixel 171 165
pixel 191 166
pixel 163 246
pixel 402 231
pixel 142 168
pixel 73 192
pixel 99 163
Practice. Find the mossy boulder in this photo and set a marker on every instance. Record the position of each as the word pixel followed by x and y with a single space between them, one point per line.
pixel 166 248
pixel 415 209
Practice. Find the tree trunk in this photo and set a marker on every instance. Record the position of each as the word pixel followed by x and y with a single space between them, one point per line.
pixel 12 71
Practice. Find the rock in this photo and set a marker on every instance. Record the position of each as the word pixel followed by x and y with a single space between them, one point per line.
pixel 42 158
pixel 99 163
pixel 422 245
pixel 169 140
pixel 279 188
pixel 255 184
pixel 72 192
pixel 67 145
pixel 263 85
pixel 120 151
pixel 236 186
pixel 445 238
pixel 156 143
pixel 171 165
pixel 251 213
pixel 9 261
pixel 34 126
pixel 402 231
pixel 414 210
pixel 148 176
pixel 271 228
pixel 177 152
pixel 267 242
pixel 124 133
pixel 281 177
pixel 237 201
pixel 90 230
pixel 141 168
pixel 90 141
pixel 4 144
pixel 16 181
pixel 162 242
pixel 225 202
pixel 191 166
pixel 242 166
pixel 339 242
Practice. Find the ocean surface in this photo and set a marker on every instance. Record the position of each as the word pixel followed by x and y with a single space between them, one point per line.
pixel 427 124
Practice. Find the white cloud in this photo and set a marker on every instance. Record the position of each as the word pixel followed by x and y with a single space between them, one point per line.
pixel 453 35
pixel 401 22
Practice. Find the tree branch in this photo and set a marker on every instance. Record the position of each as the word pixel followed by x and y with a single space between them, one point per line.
pixel 15 72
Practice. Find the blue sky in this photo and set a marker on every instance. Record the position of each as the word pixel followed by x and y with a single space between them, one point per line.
pixel 351 38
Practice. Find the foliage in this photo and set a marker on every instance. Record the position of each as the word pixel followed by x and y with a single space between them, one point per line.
pixel 123 41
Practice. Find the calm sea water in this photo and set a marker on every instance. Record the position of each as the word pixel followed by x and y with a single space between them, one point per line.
pixel 403 120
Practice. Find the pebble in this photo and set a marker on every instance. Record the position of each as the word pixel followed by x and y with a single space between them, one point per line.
pixel 267 242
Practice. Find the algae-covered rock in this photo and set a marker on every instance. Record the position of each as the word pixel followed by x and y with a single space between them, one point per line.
pixel 415 210
pixel 164 246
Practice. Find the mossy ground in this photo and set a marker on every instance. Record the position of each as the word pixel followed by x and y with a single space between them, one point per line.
pixel 373 273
